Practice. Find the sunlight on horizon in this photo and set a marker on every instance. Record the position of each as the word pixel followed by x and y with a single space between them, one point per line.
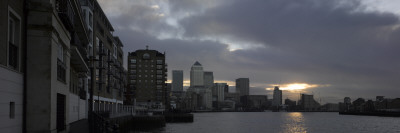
pixel 295 86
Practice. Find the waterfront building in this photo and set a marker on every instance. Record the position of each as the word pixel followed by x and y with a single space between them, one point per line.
pixel 12 65
pixel 290 104
pixel 196 75
pixel 201 96
pixel 277 97
pixel 308 103
pixel 220 87
pixel 218 94
pixel 177 80
pixel 251 102
pixel 109 74
pixel 54 88
pixel 242 86
pixel 147 76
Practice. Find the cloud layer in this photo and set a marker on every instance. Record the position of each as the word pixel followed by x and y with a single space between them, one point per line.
pixel 339 44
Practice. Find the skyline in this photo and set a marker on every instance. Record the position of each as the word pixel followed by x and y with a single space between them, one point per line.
pixel 333 49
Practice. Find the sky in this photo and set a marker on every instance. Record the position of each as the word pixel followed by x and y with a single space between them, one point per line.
pixel 330 48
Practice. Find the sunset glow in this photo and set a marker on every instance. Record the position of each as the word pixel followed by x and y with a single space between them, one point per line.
pixel 295 86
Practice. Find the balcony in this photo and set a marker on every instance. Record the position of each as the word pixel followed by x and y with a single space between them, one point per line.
pixel 77 60
pixel 87 3
pixel 66 13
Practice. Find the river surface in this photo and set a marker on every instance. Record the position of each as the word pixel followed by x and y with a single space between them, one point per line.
pixel 284 122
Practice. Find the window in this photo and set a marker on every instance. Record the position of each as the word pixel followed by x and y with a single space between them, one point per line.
pixel 133 60
pixel 159 66
pixel 159 71
pixel 115 51
pixel 61 68
pixel 14 27
pixel 146 56
pixel 12 110
pixel 90 19
pixel 159 62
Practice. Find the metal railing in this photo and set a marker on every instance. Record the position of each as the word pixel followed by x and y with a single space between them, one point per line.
pixel 66 13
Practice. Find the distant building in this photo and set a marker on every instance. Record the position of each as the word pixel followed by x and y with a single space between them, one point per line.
pixel 330 107
pixel 218 94
pixel 254 101
pixel 177 80
pixel 308 103
pixel 226 89
pixel 219 87
pixel 242 86
pixel 290 104
pixel 147 76
pixel 277 97
pixel 208 79
pixel 200 95
pixel 196 75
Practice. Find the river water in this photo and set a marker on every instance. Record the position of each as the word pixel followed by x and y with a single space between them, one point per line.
pixel 284 122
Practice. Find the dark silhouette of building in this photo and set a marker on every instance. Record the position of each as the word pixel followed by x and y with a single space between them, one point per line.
pixel 147 76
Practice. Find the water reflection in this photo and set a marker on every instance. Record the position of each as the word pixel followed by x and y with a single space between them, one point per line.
pixel 294 123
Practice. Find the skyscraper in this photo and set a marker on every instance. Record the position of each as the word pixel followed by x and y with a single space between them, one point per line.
pixel 242 86
pixel 196 75
pixel 220 88
pixel 177 80
pixel 147 75
pixel 208 79
pixel 277 98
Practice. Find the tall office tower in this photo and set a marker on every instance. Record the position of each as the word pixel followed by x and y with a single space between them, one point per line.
pixel 242 86
pixel 177 80
pixel 147 72
pixel 220 88
pixel 196 75
pixel 208 79
pixel 277 98
pixel 226 89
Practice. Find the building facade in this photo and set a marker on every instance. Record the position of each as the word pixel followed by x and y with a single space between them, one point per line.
pixel 177 80
pixel 308 103
pixel 208 79
pixel 242 86
pixel 12 65
pixel 52 91
pixel 196 75
pixel 107 61
pixel 277 97
pixel 147 76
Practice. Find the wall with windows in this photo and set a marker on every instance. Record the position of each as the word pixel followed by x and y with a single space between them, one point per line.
pixel 11 92
pixel 11 66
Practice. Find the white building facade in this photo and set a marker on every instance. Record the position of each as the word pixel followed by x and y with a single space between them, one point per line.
pixel 196 75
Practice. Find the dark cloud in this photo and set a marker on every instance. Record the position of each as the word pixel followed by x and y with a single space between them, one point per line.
pixel 333 42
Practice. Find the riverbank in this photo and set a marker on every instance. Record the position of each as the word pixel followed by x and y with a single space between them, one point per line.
pixel 385 114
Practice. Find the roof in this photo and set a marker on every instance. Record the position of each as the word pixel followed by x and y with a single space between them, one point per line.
pixel 197 64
